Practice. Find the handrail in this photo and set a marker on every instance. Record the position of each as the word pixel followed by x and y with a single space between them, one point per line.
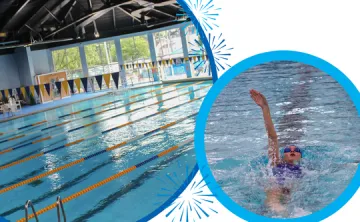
pixel 59 204
pixel 33 210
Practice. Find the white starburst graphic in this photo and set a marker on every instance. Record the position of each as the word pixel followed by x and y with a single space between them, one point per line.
pixel 220 51
pixel 205 12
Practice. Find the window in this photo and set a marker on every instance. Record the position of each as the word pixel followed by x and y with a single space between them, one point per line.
pixel 68 60
pixel 196 48
pixel 136 50
pixel 101 58
pixel 168 46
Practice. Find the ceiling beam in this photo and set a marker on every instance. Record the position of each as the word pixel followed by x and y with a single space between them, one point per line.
pixel 164 13
pixel 176 6
pixel 97 14
pixel 32 17
pixel 52 15
pixel 22 6
pixel 69 11
pixel 129 14
pixel 148 6
pixel 37 33
pixel 86 19
pixel 54 10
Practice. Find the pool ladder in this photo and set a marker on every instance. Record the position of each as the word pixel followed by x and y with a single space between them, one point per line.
pixel 59 205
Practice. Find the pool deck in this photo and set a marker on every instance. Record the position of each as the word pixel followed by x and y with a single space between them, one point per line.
pixel 30 110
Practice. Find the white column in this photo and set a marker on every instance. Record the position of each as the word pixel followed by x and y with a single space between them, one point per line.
pixel 84 66
pixel 155 71
pixel 185 50
pixel 120 60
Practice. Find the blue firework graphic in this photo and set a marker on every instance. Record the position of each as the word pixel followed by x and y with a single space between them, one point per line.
pixel 196 48
pixel 220 51
pixel 205 12
pixel 193 203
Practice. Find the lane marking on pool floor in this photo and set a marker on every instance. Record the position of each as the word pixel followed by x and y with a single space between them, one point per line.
pixel 7 150
pixel 94 114
pixel 87 109
pixel 111 178
pixel 75 162
pixel 17 162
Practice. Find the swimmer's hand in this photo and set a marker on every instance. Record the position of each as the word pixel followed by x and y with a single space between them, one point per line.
pixel 258 98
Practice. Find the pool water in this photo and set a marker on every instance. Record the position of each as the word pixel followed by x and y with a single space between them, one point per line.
pixel 309 109
pixel 127 198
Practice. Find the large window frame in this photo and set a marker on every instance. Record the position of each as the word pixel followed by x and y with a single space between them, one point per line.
pixel 166 71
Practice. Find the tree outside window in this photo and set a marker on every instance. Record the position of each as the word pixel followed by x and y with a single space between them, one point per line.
pixel 136 50
pixel 68 60
pixel 101 59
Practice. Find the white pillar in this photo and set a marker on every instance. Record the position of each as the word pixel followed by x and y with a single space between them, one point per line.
pixel 185 50
pixel 155 70
pixel 84 66
pixel 120 60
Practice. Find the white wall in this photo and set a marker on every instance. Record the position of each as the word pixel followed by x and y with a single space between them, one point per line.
pixel 25 68
pixel 9 75
pixel 41 61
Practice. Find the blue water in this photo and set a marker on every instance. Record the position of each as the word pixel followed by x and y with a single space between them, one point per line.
pixel 309 109
pixel 127 198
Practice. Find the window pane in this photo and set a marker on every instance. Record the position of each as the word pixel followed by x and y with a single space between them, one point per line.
pixel 68 60
pixel 101 58
pixel 59 59
pixel 168 44
pixel 136 50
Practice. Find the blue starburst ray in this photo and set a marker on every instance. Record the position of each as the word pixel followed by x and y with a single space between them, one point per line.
pixel 202 210
pixel 197 213
pixel 172 210
pixel 192 199
pixel 213 210
pixel 192 185
pixel 210 201
pixel 196 200
pixel 198 192
pixel 171 179
pixel 182 203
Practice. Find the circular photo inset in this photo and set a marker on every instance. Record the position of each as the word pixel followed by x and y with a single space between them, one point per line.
pixel 282 139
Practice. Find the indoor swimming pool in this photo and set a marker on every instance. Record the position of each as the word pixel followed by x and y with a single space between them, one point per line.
pixel 92 154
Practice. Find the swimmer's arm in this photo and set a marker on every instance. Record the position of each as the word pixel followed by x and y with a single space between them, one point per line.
pixel 273 150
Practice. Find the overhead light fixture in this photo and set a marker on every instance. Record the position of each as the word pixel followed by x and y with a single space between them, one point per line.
pixel 96 33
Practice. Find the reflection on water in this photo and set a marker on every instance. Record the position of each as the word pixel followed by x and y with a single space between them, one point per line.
pixel 309 109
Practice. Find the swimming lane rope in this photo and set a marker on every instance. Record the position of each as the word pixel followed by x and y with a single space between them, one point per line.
pixel 73 163
pixel 111 178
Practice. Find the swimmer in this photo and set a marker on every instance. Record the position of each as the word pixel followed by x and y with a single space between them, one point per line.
pixel 287 167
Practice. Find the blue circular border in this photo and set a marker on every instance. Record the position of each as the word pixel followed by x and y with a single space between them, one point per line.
pixel 216 90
